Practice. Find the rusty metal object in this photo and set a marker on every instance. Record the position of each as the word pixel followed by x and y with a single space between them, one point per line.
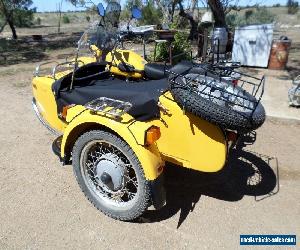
pixel 279 54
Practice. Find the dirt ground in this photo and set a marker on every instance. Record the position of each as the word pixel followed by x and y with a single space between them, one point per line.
pixel 42 207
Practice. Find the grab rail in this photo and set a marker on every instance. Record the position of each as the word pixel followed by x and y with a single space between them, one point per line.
pixel 38 68
pixel 55 68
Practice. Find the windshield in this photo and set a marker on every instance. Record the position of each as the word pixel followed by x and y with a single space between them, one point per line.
pixel 112 15
pixel 102 33
pixel 100 36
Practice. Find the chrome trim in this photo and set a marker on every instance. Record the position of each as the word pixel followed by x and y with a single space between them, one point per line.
pixel 37 69
pixel 41 119
pixel 109 106
pixel 70 64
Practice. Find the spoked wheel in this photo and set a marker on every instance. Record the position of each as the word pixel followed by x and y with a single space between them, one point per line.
pixel 110 175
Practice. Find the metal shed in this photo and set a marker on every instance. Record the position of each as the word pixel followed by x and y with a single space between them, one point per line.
pixel 252 45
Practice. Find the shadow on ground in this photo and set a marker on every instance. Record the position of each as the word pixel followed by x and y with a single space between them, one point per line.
pixel 26 49
pixel 247 173
pixel 293 66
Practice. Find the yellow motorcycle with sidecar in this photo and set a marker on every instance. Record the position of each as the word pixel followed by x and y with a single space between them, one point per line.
pixel 119 131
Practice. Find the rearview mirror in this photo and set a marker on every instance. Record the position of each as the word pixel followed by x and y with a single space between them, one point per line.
pixel 136 13
pixel 101 10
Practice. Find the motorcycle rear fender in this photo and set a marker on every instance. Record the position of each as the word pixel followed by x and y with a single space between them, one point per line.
pixel 81 121
pixel 187 140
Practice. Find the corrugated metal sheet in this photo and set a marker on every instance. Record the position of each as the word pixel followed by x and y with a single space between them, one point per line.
pixel 252 45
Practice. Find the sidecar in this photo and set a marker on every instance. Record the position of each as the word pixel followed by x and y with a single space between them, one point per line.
pixel 119 134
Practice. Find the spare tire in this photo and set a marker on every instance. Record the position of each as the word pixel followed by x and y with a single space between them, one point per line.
pixel 218 113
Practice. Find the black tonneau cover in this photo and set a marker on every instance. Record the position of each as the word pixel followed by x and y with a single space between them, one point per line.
pixel 143 95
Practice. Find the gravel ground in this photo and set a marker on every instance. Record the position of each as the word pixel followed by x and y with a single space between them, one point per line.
pixel 42 206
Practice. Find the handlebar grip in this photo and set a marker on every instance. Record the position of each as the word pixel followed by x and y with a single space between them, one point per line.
pixel 127 34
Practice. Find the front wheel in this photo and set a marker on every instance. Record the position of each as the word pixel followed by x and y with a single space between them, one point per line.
pixel 110 175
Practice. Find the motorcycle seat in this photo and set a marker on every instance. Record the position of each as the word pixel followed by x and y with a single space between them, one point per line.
pixel 156 71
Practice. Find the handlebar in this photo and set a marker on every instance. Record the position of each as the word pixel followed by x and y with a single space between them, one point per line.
pixel 127 34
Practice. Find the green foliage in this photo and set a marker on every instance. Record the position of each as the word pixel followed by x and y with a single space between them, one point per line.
pixel 38 21
pixel 256 16
pixel 133 3
pixel 248 14
pixel 151 14
pixel 180 46
pixel 23 17
pixel 88 18
pixel 16 13
pixel 293 6
pixel 66 19
pixel 2 21
pixel 179 22
pixel 232 20
pixel 125 15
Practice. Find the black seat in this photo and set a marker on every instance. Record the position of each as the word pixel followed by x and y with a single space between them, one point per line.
pixel 143 95
pixel 156 71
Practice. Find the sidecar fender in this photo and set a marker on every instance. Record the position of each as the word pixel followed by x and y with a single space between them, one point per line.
pixel 85 120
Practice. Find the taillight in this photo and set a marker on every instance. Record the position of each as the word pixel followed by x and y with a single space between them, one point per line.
pixel 152 135
pixel 231 137
pixel 235 82
pixel 64 112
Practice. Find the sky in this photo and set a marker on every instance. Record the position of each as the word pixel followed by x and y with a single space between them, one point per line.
pixel 51 5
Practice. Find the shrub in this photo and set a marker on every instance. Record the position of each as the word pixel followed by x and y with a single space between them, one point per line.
pixel 151 14
pixel 38 21
pixel 88 18
pixel 232 20
pixel 133 3
pixel 181 46
pixel 261 16
pixel 125 15
pixel 180 22
pixel 248 13
pixel 257 16
pixel 293 7
pixel 23 18
pixel 66 19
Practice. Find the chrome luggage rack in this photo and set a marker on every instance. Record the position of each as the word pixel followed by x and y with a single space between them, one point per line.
pixel 253 85
pixel 59 67
pixel 108 106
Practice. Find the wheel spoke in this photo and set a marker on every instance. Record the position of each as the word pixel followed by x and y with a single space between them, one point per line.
pixel 128 166
pixel 131 180
pixel 93 157
pixel 130 194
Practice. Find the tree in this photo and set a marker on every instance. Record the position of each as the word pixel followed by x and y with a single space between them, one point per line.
pixel 190 17
pixel 187 9
pixel 220 8
pixel 59 9
pixel 151 14
pixel 8 9
pixel 23 18
pixel 293 6
pixel 133 3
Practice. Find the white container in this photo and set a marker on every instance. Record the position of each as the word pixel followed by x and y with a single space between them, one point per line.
pixel 219 39
pixel 252 45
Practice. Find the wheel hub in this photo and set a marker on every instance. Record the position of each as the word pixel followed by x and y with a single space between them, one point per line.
pixel 110 172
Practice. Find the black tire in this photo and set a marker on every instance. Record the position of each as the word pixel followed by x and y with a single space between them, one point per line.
pixel 142 198
pixel 219 115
